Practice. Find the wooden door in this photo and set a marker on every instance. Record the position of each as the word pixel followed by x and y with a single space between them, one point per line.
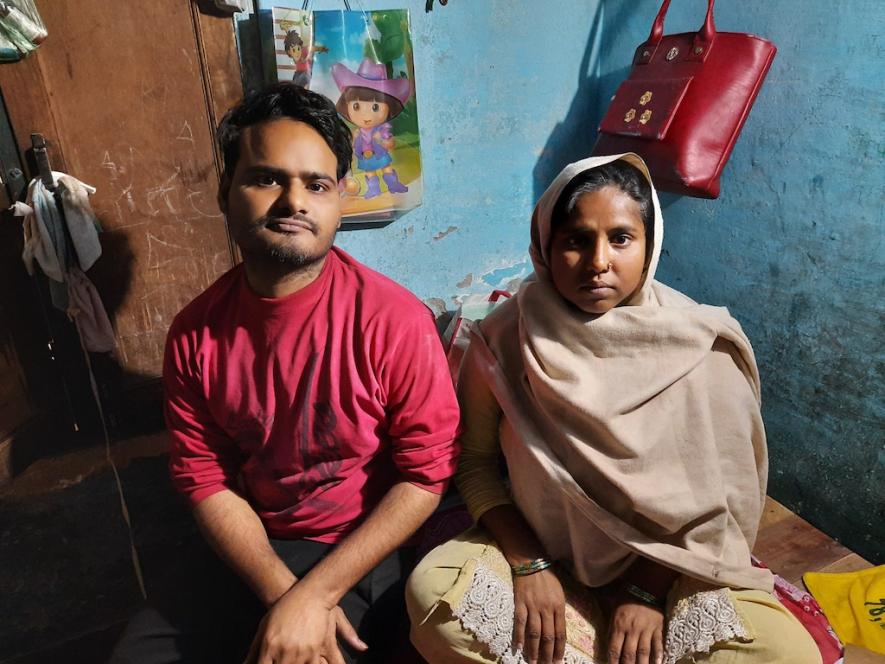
pixel 127 95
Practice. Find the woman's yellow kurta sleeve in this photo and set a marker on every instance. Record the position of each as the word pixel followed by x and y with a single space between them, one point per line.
pixel 479 477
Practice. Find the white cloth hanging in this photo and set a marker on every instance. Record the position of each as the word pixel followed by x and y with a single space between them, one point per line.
pixel 65 256
pixel 88 313
pixel 234 5
pixel 39 246
pixel 82 224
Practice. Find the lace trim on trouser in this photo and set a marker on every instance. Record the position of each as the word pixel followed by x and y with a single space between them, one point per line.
pixel 486 611
pixel 699 621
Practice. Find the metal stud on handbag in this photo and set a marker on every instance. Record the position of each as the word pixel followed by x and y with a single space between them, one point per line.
pixel 684 103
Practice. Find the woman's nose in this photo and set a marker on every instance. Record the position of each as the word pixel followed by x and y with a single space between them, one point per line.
pixel 600 261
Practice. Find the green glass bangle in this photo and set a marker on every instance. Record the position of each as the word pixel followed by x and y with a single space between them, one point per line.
pixel 643 595
pixel 531 567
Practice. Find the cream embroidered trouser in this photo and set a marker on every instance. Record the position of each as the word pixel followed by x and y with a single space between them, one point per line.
pixel 438 586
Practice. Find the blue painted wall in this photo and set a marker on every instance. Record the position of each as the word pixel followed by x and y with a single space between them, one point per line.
pixel 794 245
pixel 511 90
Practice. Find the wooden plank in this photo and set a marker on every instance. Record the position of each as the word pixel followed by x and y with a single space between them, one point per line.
pixel 773 512
pixel 222 75
pixel 53 473
pixel 30 109
pixel 794 550
pixel 850 563
pixel 221 62
pixel 858 655
pixel 791 546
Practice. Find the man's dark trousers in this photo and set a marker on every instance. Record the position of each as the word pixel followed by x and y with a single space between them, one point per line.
pixel 205 614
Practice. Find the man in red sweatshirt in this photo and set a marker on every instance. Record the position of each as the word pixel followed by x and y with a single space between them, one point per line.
pixel 311 413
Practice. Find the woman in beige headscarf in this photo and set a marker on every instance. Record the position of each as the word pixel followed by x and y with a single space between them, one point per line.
pixel 629 419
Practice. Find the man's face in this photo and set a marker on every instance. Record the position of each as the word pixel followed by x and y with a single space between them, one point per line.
pixel 283 203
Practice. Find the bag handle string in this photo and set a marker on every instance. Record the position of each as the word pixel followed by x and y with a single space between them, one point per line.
pixel 306 3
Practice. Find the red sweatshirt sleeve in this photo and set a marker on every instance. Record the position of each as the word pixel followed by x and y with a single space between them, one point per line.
pixel 422 409
pixel 203 460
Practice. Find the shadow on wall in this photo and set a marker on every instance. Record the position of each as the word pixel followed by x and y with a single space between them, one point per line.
pixel 58 412
pixel 574 137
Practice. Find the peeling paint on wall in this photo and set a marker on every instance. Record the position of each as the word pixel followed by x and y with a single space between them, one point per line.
pixel 437 305
pixel 498 277
pixel 442 234
pixel 466 281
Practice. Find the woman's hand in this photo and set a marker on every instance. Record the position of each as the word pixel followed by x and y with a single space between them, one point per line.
pixel 539 611
pixel 636 635
pixel 539 617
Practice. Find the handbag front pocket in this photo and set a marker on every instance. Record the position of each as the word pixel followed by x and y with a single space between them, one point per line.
pixel 644 108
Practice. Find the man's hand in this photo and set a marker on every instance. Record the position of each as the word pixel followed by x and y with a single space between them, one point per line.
pixel 296 629
pixel 636 633
pixel 341 629
pixel 301 629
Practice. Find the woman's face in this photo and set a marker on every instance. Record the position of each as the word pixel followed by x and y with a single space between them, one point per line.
pixel 597 257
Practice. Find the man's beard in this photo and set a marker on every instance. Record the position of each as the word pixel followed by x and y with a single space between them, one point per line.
pixel 293 258
pixel 285 255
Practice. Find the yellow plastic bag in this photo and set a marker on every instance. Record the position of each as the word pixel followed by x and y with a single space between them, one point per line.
pixel 854 603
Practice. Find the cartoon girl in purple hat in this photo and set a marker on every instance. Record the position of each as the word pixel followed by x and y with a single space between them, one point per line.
pixel 369 100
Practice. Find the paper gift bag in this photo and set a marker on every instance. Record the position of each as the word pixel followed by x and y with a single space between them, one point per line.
pixel 362 61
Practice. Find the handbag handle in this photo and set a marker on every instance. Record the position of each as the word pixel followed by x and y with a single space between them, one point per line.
pixel 706 33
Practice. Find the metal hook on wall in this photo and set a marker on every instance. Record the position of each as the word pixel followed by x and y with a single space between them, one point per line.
pixel 429 6
pixel 41 156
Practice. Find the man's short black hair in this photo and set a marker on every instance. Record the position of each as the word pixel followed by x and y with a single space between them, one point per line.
pixel 284 100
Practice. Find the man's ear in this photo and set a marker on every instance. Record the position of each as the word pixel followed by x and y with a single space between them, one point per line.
pixel 223 191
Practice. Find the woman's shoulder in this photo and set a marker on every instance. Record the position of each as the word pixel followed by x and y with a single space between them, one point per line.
pixel 718 315
pixel 730 338
pixel 670 297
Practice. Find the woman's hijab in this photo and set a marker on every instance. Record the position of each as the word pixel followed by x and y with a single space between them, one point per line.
pixel 637 431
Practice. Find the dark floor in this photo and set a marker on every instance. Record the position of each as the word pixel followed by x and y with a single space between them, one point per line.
pixel 66 571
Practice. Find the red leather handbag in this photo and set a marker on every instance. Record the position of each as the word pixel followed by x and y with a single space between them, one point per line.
pixel 685 102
